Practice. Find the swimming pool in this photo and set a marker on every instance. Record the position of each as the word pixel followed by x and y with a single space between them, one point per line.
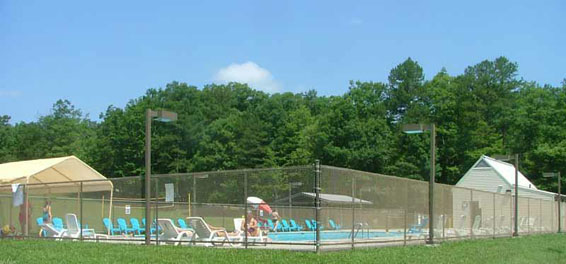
pixel 329 235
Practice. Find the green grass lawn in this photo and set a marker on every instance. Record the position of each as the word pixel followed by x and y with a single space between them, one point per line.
pixel 527 249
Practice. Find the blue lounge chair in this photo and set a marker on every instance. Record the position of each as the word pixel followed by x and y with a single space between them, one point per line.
pixel 418 228
pixel 295 226
pixel 314 224
pixel 182 223
pixel 110 227
pixel 123 225
pixel 309 225
pixel 333 225
pixel 286 226
pixel 151 228
pixel 136 226
pixel 58 223
pixel 86 231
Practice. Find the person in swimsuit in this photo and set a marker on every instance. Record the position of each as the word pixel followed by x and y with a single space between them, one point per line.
pixel 47 216
pixel 253 229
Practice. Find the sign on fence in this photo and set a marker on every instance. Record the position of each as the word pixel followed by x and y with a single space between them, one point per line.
pixel 169 193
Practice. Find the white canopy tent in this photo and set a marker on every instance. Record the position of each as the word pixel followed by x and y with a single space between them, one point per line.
pixel 54 176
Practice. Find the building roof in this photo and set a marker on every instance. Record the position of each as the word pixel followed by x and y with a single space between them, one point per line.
pixel 54 175
pixel 326 198
pixel 507 172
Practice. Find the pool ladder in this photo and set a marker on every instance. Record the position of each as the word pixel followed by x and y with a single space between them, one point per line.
pixel 359 227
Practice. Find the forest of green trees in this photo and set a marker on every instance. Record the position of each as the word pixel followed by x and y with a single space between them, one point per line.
pixel 488 109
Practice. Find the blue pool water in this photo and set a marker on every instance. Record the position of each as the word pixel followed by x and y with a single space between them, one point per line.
pixel 328 235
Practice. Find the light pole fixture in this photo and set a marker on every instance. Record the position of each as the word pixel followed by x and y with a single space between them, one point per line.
pixel 291 185
pixel 163 116
pixel 417 129
pixel 557 175
pixel 514 158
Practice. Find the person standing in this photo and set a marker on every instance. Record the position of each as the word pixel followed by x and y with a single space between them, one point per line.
pixel 26 205
pixel 47 216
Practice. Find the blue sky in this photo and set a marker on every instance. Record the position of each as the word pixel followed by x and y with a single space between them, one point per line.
pixel 101 53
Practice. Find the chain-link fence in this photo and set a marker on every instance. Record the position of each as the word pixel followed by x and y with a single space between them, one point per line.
pixel 274 208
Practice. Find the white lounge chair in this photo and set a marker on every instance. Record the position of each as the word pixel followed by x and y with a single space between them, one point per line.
pixel 204 233
pixel 253 239
pixel 173 234
pixel 52 232
pixel 439 229
pixel 73 229
pixel 477 229
pixel 462 230
pixel 503 227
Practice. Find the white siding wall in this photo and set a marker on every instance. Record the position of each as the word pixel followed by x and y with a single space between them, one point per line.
pixel 535 194
pixel 485 179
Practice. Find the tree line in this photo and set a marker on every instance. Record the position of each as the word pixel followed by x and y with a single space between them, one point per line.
pixel 488 109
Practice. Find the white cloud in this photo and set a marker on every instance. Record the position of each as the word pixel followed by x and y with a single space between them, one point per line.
pixel 10 93
pixel 356 21
pixel 250 73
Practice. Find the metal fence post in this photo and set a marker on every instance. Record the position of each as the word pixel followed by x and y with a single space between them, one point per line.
pixel 516 230
pixel 470 213
pixel 528 215
pixel 81 222
pixel 26 208
pixel 405 213
pixel 353 210
pixel 494 215
pixel 317 203
pixel 540 217
pixel 246 211
pixel 559 205
pixel 147 175
pixel 156 211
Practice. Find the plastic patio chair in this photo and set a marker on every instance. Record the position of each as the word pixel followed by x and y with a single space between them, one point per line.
pixel 314 224
pixel 74 229
pixel 286 226
pixel 136 226
pixel 295 225
pixel 182 223
pixel 123 225
pixel 58 223
pixel 418 227
pixel 333 225
pixel 172 234
pixel 151 228
pixel 309 225
pixel 211 237
pixel 110 227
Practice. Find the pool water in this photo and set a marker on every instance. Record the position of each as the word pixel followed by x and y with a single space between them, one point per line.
pixel 328 235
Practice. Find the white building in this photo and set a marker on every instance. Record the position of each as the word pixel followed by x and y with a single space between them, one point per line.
pixel 486 191
pixel 492 175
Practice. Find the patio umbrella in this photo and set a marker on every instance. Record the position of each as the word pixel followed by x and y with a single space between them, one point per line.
pixel 259 204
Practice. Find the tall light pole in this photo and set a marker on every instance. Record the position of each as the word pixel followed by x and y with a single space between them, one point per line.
pixel 557 175
pixel 417 129
pixel 163 116
pixel 516 209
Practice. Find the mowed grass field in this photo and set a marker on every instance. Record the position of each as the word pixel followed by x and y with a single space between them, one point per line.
pixel 528 249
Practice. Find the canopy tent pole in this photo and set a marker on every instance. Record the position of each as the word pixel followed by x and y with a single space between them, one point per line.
pixel 110 207
pixel 102 207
